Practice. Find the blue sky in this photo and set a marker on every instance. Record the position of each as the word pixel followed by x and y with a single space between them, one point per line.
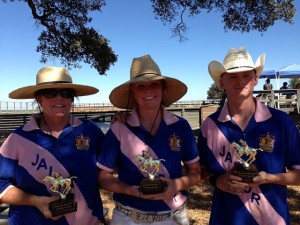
pixel 133 32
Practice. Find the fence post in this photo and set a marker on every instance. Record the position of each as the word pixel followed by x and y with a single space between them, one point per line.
pixel 182 112
pixel 24 119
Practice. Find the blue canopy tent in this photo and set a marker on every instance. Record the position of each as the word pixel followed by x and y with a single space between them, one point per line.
pixel 290 71
pixel 268 74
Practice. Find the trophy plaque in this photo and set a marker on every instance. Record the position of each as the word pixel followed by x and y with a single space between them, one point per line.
pixel 246 156
pixel 63 187
pixel 152 184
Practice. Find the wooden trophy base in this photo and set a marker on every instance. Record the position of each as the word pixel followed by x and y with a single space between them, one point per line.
pixel 245 172
pixel 154 186
pixel 63 206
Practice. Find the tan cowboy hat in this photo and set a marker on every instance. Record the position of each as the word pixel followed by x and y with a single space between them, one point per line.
pixel 52 77
pixel 236 60
pixel 144 69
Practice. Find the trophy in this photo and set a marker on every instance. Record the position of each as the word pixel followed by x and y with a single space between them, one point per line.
pixel 62 186
pixel 152 184
pixel 243 167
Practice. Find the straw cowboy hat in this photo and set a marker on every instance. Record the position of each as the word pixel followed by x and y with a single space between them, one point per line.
pixel 144 69
pixel 236 60
pixel 52 77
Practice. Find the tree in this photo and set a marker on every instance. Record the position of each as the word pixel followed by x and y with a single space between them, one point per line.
pixel 238 15
pixel 214 92
pixel 66 35
pixel 293 82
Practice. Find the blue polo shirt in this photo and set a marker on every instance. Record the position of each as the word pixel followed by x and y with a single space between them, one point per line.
pixel 269 129
pixel 28 155
pixel 174 142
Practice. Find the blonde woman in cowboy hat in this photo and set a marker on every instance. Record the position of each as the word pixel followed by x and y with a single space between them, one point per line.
pixel 55 146
pixel 257 194
pixel 150 134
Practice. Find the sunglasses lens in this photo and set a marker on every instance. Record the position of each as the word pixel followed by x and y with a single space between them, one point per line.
pixel 67 93
pixel 49 93
pixel 52 93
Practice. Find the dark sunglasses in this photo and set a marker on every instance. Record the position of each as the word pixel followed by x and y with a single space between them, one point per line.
pixel 52 93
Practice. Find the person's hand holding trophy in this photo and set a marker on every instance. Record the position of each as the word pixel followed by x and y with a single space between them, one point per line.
pixel 246 156
pixel 63 187
pixel 152 184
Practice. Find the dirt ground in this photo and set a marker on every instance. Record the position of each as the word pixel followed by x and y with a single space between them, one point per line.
pixel 199 203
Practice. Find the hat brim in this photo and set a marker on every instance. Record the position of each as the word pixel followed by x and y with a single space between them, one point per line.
pixel 174 90
pixel 28 92
pixel 216 69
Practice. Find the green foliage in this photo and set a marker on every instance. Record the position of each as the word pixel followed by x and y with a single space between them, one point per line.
pixel 293 82
pixel 214 92
pixel 66 36
pixel 238 15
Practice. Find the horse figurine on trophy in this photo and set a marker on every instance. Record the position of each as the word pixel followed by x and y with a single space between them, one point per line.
pixel 152 184
pixel 59 182
pixel 62 186
pixel 244 167
pixel 244 149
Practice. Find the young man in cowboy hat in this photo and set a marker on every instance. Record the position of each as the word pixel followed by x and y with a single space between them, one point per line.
pixel 262 199
pixel 150 134
pixel 53 145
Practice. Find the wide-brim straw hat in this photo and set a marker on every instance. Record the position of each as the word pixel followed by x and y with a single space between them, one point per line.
pixel 236 60
pixel 144 69
pixel 52 77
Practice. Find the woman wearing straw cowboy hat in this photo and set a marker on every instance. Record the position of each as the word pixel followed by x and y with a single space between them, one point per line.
pixel 152 133
pixel 52 143
pixel 243 119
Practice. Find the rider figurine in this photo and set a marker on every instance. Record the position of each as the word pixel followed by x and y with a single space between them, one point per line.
pixel 57 175
pixel 147 155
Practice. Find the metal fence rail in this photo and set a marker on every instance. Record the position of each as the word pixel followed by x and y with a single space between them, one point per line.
pixel 9 122
pixel 22 107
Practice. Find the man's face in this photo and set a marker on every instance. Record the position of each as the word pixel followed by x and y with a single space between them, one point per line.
pixel 239 84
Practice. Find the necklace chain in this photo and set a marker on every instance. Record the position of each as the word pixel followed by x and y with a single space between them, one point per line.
pixel 149 136
pixel 154 121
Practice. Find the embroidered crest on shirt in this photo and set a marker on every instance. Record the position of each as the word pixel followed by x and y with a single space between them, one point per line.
pixel 82 143
pixel 175 142
pixel 266 142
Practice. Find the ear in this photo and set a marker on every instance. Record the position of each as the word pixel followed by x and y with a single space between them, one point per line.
pixel 38 99
pixel 255 80
pixel 221 84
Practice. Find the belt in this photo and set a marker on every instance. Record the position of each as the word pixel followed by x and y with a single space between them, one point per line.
pixel 147 217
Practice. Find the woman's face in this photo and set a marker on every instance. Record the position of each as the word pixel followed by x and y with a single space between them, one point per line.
pixel 56 102
pixel 147 94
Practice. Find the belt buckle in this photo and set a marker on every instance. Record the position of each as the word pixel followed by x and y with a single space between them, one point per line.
pixel 123 210
pixel 134 216
pixel 179 209
pixel 139 217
